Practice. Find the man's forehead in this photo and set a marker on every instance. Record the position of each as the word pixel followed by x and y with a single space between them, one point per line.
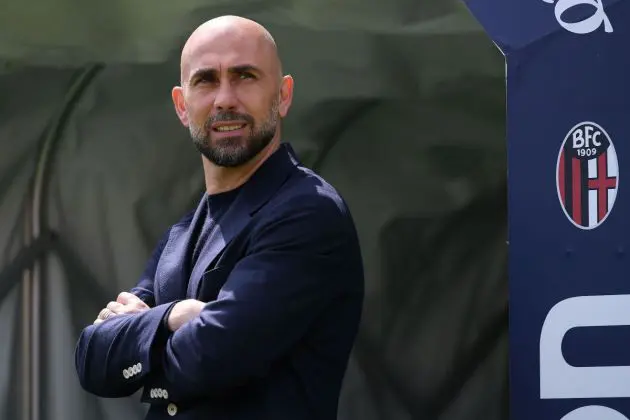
pixel 224 48
pixel 226 52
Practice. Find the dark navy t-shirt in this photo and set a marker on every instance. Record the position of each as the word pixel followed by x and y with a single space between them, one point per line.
pixel 216 206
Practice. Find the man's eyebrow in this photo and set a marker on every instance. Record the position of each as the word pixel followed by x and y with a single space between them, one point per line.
pixel 211 72
pixel 204 73
pixel 245 68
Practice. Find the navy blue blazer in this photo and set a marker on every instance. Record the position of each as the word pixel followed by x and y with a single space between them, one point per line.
pixel 283 279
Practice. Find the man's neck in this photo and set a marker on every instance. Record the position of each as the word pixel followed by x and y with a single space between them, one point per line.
pixel 219 179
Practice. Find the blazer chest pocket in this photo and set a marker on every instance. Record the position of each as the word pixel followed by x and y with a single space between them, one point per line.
pixel 211 283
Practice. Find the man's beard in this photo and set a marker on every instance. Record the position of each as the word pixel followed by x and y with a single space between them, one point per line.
pixel 235 151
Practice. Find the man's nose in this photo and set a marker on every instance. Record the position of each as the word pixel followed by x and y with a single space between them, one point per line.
pixel 225 97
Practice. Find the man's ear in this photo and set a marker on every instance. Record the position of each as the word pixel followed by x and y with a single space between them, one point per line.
pixel 180 106
pixel 286 95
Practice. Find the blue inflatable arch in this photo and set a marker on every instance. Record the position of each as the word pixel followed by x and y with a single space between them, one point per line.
pixel 568 136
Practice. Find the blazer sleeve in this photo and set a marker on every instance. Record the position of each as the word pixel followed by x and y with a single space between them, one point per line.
pixel 113 358
pixel 293 270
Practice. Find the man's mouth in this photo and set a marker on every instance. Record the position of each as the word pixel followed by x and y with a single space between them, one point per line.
pixel 230 127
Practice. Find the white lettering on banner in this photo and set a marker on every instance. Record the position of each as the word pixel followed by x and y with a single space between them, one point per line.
pixel 558 379
pixel 593 412
pixel 586 26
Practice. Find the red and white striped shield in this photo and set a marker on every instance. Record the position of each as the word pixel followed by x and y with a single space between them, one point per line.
pixel 587 175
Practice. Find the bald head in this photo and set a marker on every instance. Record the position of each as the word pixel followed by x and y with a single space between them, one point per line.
pixel 230 29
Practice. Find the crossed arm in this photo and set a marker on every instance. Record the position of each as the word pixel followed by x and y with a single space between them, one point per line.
pixel 266 304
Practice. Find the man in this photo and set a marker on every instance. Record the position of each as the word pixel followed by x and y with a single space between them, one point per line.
pixel 249 306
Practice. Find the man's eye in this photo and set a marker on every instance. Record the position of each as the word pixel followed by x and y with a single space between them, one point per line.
pixel 246 75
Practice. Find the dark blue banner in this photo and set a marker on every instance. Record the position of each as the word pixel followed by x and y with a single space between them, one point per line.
pixel 568 111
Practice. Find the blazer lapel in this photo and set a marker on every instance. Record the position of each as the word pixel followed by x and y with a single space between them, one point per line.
pixel 171 275
pixel 255 193
pixel 233 221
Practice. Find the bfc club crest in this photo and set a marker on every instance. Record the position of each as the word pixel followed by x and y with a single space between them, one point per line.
pixel 587 175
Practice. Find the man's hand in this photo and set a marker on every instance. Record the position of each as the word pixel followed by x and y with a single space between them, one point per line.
pixel 183 312
pixel 126 303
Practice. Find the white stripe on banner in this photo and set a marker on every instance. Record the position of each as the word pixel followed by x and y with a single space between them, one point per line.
pixel 613 170
pixel 611 157
pixel 592 168
pixel 612 194
pixel 592 208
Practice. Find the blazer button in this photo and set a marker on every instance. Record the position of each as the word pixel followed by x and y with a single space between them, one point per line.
pixel 171 409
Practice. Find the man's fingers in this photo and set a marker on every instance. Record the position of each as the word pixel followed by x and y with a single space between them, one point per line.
pixel 115 307
pixel 104 314
pixel 133 302
pixel 126 298
pixel 125 303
